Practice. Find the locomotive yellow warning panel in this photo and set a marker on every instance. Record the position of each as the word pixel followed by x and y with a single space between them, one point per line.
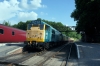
pixel 36 34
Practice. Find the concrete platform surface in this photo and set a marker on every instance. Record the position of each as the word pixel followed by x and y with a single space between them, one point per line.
pixel 89 54
pixel 5 48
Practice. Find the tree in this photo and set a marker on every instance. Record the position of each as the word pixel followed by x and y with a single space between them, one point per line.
pixel 38 18
pixel 6 23
pixel 15 26
pixel 22 25
pixel 87 15
pixel 57 25
pixel 65 30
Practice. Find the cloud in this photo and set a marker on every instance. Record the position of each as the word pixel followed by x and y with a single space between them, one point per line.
pixel 23 4
pixel 44 6
pixel 31 4
pixel 19 10
pixel 24 16
pixel 36 3
pixel 42 13
pixel 8 9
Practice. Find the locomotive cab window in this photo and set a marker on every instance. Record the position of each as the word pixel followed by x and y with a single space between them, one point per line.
pixel 35 25
pixel 1 31
pixel 29 26
pixel 41 27
pixel 13 33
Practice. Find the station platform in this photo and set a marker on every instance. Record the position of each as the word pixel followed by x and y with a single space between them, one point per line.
pixel 89 55
pixel 9 48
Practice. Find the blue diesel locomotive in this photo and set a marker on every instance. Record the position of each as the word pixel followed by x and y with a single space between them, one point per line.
pixel 41 35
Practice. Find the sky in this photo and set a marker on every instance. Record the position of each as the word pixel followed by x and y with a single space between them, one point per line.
pixel 23 10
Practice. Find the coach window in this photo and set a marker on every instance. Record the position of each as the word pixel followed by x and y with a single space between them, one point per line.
pixel 53 34
pixel 13 33
pixel 1 31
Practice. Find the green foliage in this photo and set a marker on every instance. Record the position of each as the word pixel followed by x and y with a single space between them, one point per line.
pixel 57 25
pixel 74 35
pixel 87 15
pixel 65 30
pixel 22 25
pixel 6 23
pixel 39 19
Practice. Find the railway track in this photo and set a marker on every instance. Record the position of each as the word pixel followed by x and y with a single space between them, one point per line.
pixel 17 58
pixel 50 57
pixel 43 57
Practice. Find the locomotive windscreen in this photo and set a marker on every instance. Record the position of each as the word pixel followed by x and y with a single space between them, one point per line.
pixel 29 26
pixel 35 22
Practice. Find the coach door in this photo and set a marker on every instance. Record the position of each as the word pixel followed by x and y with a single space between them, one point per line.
pixel 47 33
pixel 53 35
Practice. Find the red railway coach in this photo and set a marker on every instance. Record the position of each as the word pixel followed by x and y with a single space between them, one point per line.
pixel 10 34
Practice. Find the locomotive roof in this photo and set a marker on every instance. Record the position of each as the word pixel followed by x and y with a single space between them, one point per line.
pixel 41 22
pixel 51 27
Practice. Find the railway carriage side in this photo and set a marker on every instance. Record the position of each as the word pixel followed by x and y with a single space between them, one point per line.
pixel 52 36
